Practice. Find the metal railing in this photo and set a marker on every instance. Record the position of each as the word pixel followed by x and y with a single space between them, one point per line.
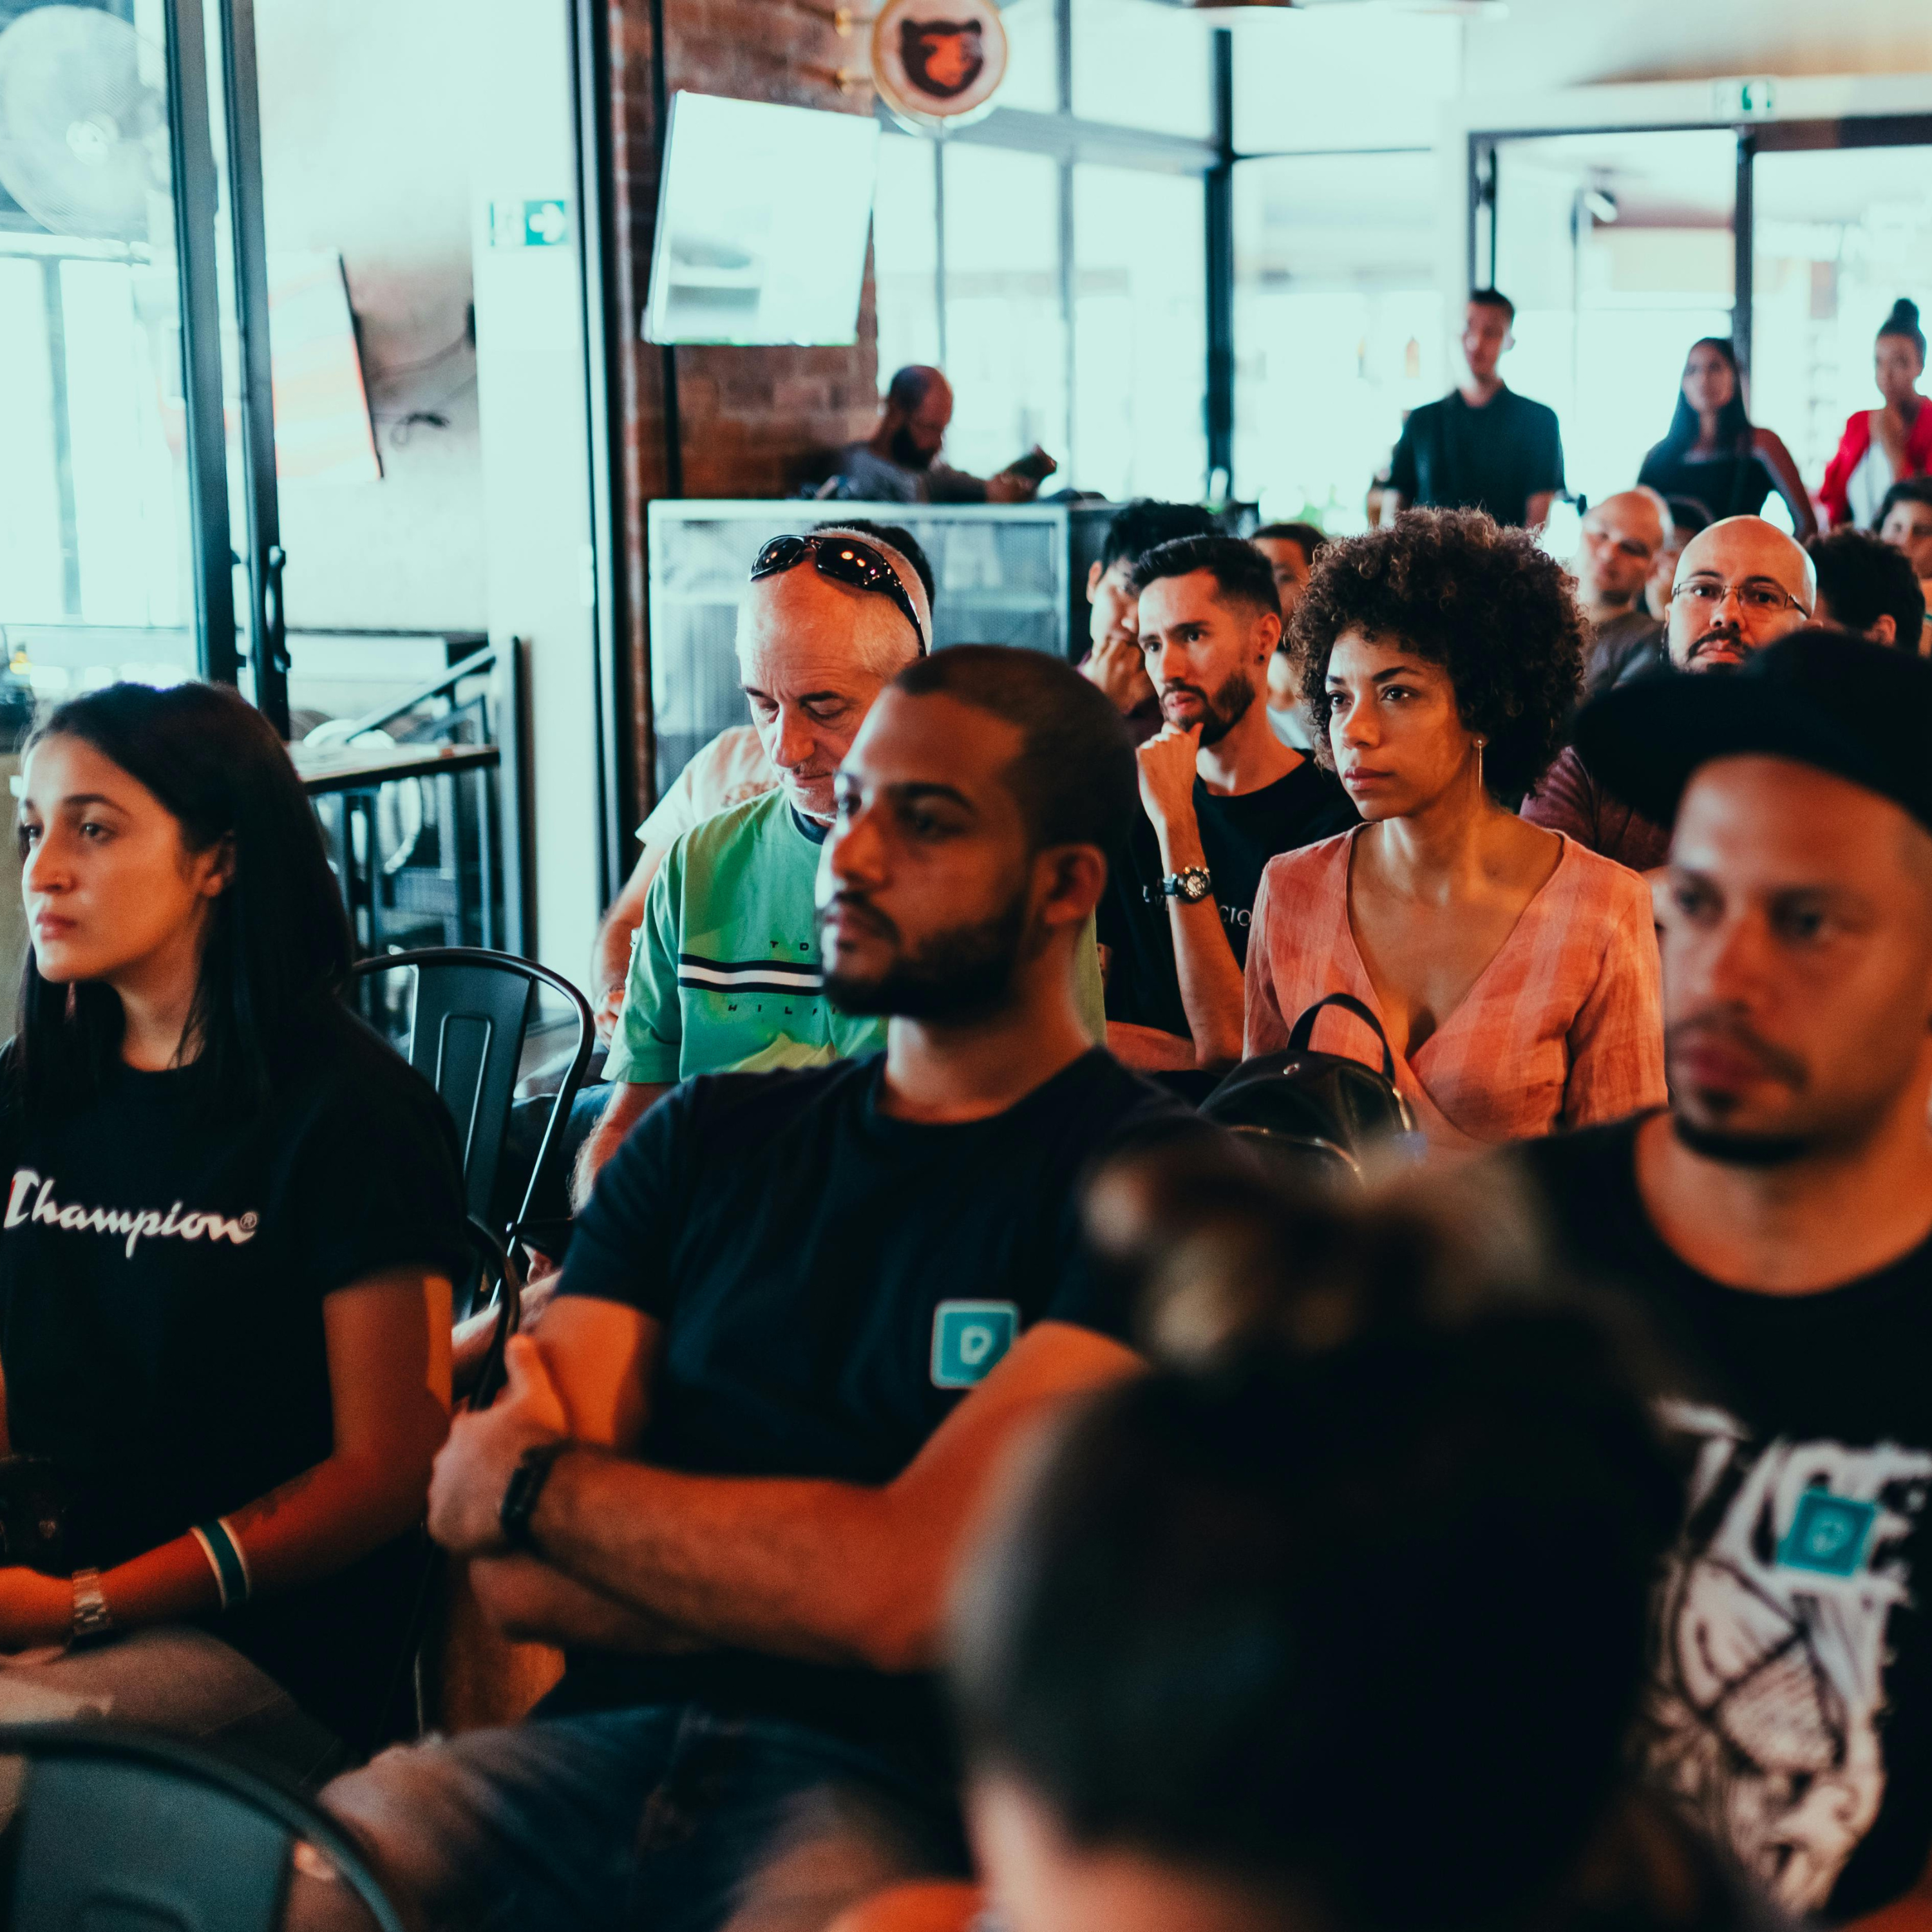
pixel 423 803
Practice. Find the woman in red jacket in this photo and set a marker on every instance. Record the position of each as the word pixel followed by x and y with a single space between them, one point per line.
pixel 1881 446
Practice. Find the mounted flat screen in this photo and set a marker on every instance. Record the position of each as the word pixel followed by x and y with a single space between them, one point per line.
pixel 762 219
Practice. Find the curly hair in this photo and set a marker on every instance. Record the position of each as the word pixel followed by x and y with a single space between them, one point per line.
pixel 1482 602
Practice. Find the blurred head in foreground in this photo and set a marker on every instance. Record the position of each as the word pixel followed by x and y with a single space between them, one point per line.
pixel 1341 1627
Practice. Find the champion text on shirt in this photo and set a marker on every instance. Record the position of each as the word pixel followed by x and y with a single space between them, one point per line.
pixel 133 1222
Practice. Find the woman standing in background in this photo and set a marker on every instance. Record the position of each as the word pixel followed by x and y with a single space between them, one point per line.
pixel 1882 446
pixel 1715 454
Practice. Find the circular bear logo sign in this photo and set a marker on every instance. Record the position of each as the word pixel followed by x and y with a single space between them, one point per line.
pixel 938 63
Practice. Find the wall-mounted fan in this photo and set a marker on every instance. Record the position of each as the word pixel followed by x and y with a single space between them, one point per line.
pixel 83 138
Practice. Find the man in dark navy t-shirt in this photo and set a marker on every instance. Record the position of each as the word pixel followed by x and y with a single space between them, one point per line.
pixel 1482 447
pixel 803 1317
pixel 1775 1226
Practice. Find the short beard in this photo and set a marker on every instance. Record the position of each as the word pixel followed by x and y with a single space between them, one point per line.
pixel 907 454
pixel 1730 633
pixel 1227 708
pixel 1729 1149
pixel 965 972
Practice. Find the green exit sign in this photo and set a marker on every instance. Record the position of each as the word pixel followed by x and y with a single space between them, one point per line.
pixel 1744 100
pixel 529 224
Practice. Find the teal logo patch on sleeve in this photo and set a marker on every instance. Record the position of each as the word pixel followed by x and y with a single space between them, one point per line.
pixel 968 1338
pixel 1828 1535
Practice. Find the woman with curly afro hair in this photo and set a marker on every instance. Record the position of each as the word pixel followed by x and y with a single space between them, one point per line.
pixel 1512 973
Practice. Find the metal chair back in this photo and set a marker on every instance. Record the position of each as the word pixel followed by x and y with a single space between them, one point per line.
pixel 121 1829
pixel 472 1012
pixel 473 1009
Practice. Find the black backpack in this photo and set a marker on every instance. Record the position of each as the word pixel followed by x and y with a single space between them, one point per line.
pixel 1316 1113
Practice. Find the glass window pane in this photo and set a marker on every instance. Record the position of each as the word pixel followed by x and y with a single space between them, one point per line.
pixel 1617 250
pixel 1140 334
pixel 905 247
pixel 1033 56
pixel 1298 77
pixel 122 470
pixel 94 550
pixel 1006 339
pixel 375 218
pixel 1338 326
pixel 31 538
pixel 1141 64
pixel 1842 233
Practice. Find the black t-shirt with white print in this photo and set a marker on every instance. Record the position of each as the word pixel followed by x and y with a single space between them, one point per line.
pixel 1239 833
pixel 164 1265
pixel 1790 1708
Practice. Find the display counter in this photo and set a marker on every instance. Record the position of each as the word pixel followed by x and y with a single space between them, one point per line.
pixel 1006 574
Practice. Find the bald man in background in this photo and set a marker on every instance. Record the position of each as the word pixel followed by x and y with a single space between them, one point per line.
pixel 898 463
pixel 1741 584
pixel 1622 537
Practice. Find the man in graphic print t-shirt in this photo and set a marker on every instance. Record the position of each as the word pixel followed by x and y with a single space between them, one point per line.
pixel 1776 1226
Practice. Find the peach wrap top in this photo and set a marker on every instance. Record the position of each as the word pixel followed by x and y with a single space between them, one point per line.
pixel 1563 1027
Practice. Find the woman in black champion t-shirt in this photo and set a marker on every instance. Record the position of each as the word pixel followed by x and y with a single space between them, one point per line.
pixel 229 1218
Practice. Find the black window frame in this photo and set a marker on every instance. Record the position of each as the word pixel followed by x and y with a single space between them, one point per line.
pixel 1487 203
pixel 1068 140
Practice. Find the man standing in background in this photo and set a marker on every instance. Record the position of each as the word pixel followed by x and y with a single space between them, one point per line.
pixel 1482 447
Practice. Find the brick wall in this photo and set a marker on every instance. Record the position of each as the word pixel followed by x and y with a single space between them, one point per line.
pixel 751 418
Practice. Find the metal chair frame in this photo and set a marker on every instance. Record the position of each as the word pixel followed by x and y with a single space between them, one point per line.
pixel 268 1795
pixel 480 1116
pixel 458 960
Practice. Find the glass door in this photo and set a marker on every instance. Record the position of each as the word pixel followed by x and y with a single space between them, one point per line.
pixel 1841 234
pixel 1339 323
pixel 1619 249
pixel 99 523
pixel 139 519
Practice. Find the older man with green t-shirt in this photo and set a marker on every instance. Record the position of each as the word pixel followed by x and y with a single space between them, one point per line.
pixel 725 969
pixel 724 972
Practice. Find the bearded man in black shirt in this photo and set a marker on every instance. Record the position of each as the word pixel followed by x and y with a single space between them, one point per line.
pixel 801 1319
pixel 1221 795
pixel 1776 1224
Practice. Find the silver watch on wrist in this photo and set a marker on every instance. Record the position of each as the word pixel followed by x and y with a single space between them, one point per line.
pixel 1191 884
pixel 92 1619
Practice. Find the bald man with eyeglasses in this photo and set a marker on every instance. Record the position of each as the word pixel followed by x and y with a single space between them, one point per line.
pixel 1741 584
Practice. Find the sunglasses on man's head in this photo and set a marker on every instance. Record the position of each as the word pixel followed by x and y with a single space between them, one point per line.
pixel 845 560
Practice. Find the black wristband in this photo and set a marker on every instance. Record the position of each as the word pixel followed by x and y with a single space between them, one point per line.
pixel 526 1485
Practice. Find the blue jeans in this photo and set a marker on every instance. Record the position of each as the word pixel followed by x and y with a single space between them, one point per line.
pixel 666 1818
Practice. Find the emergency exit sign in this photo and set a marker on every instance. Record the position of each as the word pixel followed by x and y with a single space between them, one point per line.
pixel 529 224
pixel 1744 100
